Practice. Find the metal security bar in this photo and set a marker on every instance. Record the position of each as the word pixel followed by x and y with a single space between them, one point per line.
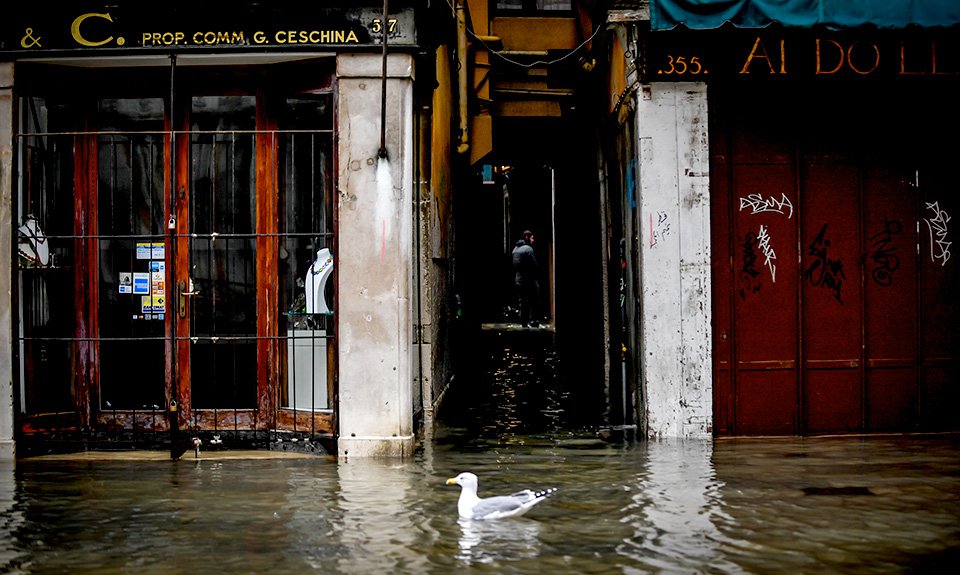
pixel 120 308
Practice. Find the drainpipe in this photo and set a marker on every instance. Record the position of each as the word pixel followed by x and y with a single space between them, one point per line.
pixel 385 27
pixel 464 144
pixel 426 391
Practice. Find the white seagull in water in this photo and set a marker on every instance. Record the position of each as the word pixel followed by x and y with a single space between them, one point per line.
pixel 471 506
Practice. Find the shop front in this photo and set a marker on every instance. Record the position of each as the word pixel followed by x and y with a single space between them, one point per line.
pixel 830 202
pixel 175 194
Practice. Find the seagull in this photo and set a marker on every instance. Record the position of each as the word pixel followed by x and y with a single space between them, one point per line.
pixel 470 506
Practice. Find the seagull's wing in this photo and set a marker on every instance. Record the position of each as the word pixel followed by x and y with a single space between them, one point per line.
pixel 527 493
pixel 509 505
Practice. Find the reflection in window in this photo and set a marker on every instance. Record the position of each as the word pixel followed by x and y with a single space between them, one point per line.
pixel 306 181
pixel 223 269
pixel 218 113
pixel 130 192
pixel 46 291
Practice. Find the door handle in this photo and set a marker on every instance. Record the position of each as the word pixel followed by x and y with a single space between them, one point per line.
pixel 182 294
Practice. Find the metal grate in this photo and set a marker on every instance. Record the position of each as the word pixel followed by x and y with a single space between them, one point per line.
pixel 98 340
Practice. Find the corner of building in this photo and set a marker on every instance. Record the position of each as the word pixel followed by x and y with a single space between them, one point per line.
pixel 375 446
pixel 676 274
pixel 7 446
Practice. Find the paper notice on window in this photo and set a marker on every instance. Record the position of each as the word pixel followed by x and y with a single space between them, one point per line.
pixel 153 304
pixel 151 251
pixel 141 283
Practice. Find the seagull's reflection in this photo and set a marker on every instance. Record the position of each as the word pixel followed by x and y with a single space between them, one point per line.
pixel 486 541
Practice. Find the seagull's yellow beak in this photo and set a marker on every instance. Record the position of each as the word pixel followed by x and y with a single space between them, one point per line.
pixel 452 481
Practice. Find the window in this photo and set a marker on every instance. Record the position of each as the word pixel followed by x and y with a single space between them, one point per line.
pixel 528 6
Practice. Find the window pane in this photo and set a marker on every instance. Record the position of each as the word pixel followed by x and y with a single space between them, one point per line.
pixel 532 5
pixel 306 185
pixel 45 263
pixel 131 194
pixel 223 269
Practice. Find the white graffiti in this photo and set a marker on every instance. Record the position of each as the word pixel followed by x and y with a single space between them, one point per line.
pixel 938 234
pixel 763 242
pixel 758 205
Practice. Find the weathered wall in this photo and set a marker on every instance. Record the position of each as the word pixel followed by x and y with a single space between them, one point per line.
pixel 375 241
pixel 6 265
pixel 436 222
pixel 675 259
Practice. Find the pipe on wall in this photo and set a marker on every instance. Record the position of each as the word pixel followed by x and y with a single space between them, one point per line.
pixel 464 144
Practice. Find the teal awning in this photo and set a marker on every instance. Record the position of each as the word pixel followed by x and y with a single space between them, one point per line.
pixel 836 14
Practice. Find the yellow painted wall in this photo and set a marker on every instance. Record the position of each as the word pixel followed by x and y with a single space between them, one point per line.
pixel 536 34
pixel 618 70
pixel 479 16
pixel 440 145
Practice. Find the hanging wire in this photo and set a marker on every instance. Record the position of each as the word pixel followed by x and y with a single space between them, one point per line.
pixel 500 54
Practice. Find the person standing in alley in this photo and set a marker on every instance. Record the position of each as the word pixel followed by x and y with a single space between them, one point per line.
pixel 525 279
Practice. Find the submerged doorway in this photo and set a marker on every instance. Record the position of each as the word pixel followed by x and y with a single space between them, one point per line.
pixel 188 222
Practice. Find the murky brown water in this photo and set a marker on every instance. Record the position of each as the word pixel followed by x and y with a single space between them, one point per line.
pixel 821 506
pixel 879 505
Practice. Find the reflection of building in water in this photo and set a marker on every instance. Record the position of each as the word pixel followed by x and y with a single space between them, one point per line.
pixel 380 519
pixel 12 515
pixel 677 501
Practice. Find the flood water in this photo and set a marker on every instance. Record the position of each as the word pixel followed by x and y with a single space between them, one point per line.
pixel 813 505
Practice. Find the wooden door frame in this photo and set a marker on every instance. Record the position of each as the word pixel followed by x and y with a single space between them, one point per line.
pixel 267 413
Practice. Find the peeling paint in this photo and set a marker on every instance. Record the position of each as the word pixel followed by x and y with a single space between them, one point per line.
pixel 676 279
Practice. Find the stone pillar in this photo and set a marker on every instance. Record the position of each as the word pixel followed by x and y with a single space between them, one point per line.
pixel 674 190
pixel 7 447
pixel 375 251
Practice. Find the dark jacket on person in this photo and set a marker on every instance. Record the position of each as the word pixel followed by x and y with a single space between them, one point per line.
pixel 524 264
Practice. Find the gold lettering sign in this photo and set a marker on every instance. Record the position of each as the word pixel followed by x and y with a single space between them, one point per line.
pixel 845 58
pixel 75 30
pixel 235 37
pixel 800 54
pixel 759 51
pixel 116 27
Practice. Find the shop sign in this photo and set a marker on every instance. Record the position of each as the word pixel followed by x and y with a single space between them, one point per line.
pixel 771 53
pixel 127 26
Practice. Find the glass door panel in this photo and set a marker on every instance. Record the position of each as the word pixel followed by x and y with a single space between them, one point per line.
pixel 305 259
pixel 130 313
pixel 47 299
pixel 221 279
pixel 131 254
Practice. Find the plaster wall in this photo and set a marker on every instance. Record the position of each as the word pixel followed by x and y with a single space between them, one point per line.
pixel 673 149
